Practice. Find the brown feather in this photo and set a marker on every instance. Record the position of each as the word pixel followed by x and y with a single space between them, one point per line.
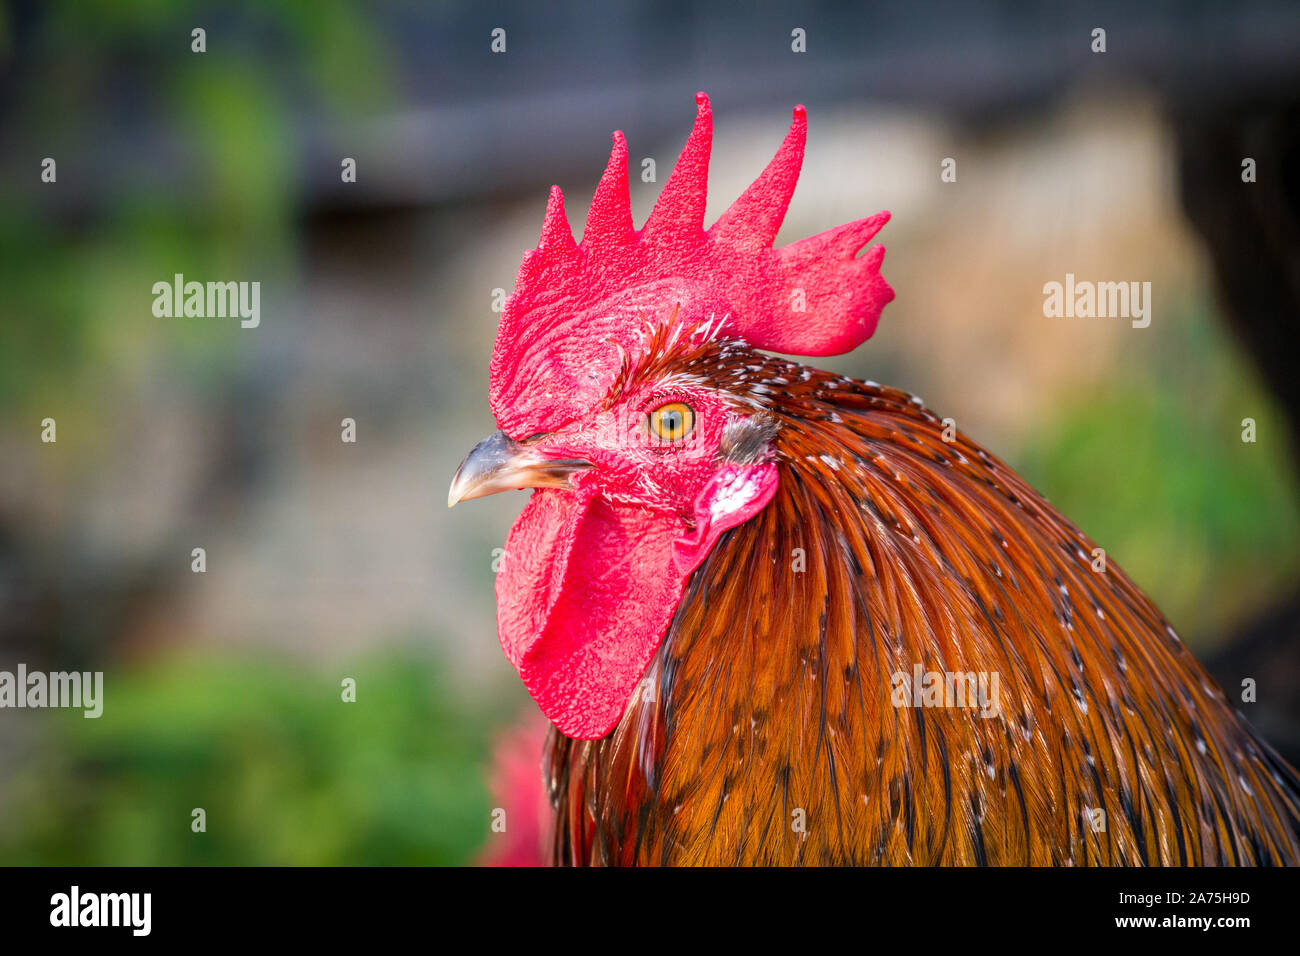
pixel 770 698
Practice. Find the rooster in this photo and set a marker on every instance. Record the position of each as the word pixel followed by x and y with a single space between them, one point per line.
pixel 780 616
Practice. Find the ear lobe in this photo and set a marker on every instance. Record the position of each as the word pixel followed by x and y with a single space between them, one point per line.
pixel 732 496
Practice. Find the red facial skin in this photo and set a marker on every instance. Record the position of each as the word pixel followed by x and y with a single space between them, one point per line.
pixel 592 576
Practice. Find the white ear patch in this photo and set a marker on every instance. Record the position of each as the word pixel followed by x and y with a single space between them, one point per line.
pixel 734 495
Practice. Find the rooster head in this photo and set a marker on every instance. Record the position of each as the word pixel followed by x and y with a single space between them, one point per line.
pixel 603 382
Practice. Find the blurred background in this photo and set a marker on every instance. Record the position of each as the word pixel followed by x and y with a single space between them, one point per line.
pixel 328 560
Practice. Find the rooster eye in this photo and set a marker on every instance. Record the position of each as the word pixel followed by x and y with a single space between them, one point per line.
pixel 672 422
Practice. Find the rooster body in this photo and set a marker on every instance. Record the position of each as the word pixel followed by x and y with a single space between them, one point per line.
pixel 779 616
pixel 768 732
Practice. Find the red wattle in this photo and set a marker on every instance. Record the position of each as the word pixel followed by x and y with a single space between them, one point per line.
pixel 586 593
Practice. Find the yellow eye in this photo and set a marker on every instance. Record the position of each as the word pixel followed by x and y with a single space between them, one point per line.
pixel 672 422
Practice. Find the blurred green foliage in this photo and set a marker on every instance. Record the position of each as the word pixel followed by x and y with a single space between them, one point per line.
pixel 288 773
pixel 1153 468
pixel 76 309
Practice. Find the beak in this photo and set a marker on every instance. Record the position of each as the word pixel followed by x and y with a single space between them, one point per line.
pixel 499 463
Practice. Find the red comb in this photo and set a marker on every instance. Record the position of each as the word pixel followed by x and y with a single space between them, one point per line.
pixel 573 305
